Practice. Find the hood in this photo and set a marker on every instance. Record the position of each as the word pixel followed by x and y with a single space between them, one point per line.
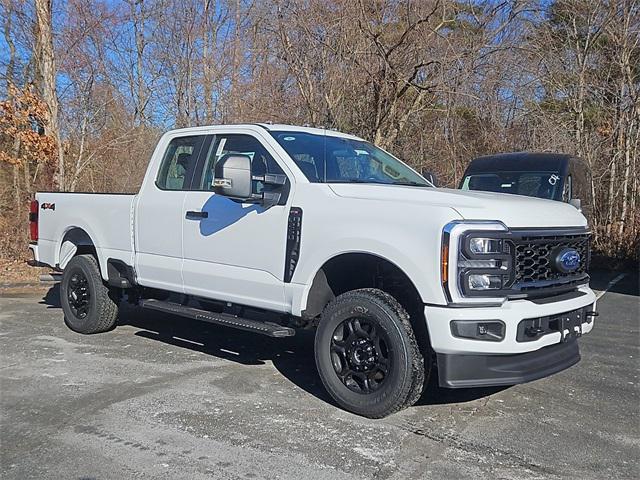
pixel 513 210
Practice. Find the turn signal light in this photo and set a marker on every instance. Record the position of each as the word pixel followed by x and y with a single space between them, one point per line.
pixel 445 263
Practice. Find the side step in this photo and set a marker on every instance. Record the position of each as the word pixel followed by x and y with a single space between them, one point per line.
pixel 264 328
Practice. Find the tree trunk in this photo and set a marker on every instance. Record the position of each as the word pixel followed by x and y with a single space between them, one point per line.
pixel 47 68
pixel 138 14
pixel 15 149
pixel 207 81
pixel 625 181
pixel 235 73
pixel 8 37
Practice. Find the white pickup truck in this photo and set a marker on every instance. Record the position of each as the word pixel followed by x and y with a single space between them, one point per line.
pixel 270 227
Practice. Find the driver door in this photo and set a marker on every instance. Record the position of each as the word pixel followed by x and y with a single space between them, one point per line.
pixel 234 251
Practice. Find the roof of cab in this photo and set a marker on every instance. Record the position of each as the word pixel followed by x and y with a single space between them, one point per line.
pixel 521 161
pixel 280 127
pixel 272 127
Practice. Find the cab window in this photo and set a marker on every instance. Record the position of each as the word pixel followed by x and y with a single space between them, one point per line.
pixel 178 164
pixel 261 161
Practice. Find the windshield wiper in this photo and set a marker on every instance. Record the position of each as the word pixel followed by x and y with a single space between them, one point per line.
pixel 378 182
pixel 359 180
pixel 411 184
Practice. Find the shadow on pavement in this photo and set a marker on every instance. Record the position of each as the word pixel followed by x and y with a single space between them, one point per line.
pixel 435 395
pixel 52 297
pixel 292 356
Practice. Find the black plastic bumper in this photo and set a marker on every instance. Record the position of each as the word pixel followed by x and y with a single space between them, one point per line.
pixel 464 371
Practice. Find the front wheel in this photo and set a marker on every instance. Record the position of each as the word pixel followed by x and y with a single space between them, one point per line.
pixel 89 306
pixel 367 355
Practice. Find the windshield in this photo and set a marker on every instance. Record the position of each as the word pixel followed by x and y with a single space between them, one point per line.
pixel 533 184
pixel 328 159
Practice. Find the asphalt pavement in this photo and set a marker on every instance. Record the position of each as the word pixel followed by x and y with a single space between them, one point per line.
pixel 166 397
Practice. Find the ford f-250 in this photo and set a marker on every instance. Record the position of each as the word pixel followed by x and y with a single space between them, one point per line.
pixel 269 228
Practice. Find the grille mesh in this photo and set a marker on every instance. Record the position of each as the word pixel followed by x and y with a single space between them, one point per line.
pixel 534 257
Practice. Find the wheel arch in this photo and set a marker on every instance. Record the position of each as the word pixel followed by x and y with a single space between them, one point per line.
pixel 355 270
pixel 352 270
pixel 75 241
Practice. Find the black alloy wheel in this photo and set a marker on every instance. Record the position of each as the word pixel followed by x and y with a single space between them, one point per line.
pixel 78 294
pixel 360 355
pixel 367 354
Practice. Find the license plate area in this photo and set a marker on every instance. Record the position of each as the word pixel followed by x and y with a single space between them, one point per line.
pixel 569 324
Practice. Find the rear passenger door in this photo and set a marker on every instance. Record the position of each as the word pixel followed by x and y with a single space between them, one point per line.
pixel 160 213
pixel 234 251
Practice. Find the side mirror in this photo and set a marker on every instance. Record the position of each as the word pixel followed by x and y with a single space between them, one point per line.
pixel 576 202
pixel 233 177
pixel 431 178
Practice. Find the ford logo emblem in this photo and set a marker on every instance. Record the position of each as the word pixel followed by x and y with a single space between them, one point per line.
pixel 567 260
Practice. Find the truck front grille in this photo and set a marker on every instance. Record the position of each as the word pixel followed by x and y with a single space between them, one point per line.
pixel 534 256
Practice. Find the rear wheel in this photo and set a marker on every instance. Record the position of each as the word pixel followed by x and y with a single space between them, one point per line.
pixel 89 306
pixel 367 355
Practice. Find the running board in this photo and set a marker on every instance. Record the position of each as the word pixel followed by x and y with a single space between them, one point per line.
pixel 225 319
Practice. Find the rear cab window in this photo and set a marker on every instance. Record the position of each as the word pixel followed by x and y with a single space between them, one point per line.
pixel 179 162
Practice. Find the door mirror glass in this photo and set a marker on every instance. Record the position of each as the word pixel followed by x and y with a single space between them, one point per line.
pixel 233 177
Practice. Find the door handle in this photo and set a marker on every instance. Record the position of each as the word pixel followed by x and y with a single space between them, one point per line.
pixel 192 215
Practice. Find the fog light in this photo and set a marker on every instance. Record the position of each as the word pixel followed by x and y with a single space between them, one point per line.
pixel 489 330
pixel 485 282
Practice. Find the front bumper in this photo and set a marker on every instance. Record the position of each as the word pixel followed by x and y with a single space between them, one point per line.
pixel 511 313
pixel 461 371
pixel 465 362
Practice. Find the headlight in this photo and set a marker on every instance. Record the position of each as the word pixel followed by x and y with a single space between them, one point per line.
pixel 478 267
pixel 480 246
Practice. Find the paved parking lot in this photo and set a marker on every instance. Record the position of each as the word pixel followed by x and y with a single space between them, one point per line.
pixel 165 397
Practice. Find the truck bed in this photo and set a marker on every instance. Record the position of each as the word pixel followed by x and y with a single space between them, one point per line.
pixel 107 219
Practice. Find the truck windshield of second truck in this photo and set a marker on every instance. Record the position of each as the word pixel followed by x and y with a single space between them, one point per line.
pixel 534 184
pixel 331 159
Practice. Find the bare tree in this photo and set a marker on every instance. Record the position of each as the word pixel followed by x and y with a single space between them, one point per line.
pixel 138 16
pixel 47 74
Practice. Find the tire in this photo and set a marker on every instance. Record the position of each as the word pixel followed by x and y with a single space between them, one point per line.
pixel 89 306
pixel 367 354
